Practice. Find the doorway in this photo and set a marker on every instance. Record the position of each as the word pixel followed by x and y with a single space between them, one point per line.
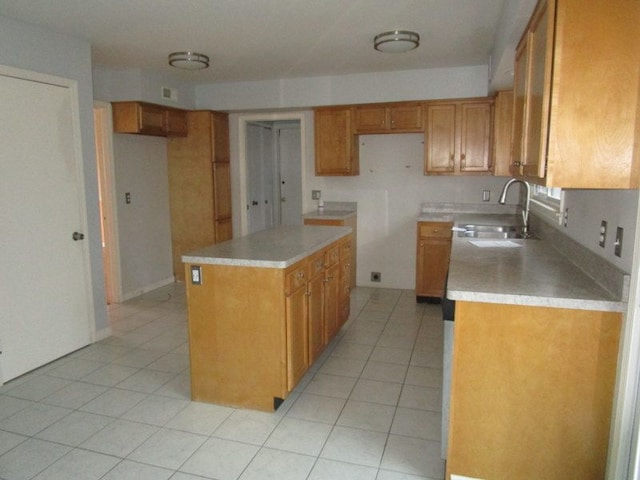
pixel 107 201
pixel 273 174
pixel 240 175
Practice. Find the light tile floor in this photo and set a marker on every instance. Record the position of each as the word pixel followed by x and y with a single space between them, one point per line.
pixel 119 409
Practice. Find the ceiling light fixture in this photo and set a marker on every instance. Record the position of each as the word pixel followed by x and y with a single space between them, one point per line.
pixel 396 41
pixel 188 60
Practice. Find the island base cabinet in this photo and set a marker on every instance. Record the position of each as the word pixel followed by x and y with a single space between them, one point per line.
pixel 532 391
pixel 237 336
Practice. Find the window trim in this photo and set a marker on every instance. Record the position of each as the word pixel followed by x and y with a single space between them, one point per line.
pixel 547 207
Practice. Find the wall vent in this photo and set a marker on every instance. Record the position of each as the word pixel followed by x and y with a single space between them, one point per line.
pixel 169 94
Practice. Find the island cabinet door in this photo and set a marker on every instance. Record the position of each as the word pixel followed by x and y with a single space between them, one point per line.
pixel 315 307
pixel 296 325
pixel 331 291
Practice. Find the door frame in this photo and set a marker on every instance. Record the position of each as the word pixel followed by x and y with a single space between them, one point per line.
pixel 106 181
pixel 243 120
pixel 72 85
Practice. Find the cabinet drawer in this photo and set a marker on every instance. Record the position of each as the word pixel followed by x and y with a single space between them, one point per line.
pixel 332 255
pixel 435 229
pixel 316 264
pixel 296 278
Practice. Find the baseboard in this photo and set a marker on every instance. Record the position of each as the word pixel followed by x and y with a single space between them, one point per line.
pixel 147 288
pixel 101 334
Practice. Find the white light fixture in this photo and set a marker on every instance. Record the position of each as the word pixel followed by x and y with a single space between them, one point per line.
pixel 188 60
pixel 396 41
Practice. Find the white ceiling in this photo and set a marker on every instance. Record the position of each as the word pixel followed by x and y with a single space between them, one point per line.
pixel 266 39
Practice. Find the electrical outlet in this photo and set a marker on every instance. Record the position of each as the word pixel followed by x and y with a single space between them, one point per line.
pixel 486 195
pixel 376 276
pixel 316 194
pixel 566 217
pixel 196 275
pixel 127 198
pixel 603 233
pixel 617 245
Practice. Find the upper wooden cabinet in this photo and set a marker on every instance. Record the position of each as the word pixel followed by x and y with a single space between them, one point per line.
pixel 576 84
pixel 458 137
pixel 405 117
pixel 149 119
pixel 335 142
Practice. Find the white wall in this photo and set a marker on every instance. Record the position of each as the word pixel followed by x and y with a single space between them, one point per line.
pixel 344 89
pixel 389 191
pixel 32 48
pixel 111 85
pixel 587 208
pixel 144 229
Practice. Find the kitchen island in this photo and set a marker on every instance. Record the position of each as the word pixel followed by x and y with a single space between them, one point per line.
pixel 534 359
pixel 261 309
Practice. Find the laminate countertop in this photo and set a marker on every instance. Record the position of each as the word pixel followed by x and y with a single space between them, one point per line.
pixel 278 247
pixel 520 272
pixel 330 214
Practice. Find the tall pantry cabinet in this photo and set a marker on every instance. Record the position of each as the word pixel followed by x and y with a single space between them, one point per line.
pixel 199 185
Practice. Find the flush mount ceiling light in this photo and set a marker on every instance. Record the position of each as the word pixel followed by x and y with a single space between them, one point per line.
pixel 396 41
pixel 188 60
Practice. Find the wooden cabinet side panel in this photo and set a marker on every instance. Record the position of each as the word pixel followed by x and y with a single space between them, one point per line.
pixel 528 382
pixel 237 336
pixel 221 137
pixel 190 191
pixel 222 190
pixel 503 124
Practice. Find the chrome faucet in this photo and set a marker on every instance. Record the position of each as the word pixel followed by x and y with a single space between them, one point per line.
pixel 525 212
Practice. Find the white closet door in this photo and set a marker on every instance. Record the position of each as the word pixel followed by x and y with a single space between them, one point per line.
pixel 44 294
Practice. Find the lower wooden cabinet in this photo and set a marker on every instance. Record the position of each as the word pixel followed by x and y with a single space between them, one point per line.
pixel 432 258
pixel 532 391
pixel 254 332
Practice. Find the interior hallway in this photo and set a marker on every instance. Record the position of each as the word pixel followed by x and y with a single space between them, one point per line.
pixel 369 409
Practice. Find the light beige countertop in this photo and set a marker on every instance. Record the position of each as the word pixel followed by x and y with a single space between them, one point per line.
pixel 278 247
pixel 330 214
pixel 532 273
pixel 521 272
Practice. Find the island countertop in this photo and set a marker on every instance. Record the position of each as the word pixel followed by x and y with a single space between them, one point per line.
pixel 278 247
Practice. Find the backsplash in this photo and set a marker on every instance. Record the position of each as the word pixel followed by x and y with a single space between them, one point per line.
pixel 607 275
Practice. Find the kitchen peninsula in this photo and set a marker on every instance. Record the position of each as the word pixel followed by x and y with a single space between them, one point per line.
pixel 261 309
pixel 534 357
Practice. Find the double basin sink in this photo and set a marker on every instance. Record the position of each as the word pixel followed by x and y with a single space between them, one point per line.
pixel 490 231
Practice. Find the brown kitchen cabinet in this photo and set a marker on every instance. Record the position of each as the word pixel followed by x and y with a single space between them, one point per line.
pixel 344 289
pixel 350 221
pixel 458 137
pixel 199 185
pixel 254 332
pixel 297 324
pixel 432 259
pixel 502 126
pixel 528 381
pixel 405 117
pixel 568 131
pixel 149 119
pixel 336 145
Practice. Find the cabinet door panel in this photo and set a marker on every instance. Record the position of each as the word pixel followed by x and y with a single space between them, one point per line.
pixel 406 118
pixel 152 120
pixel 222 190
pixel 370 119
pixel 432 264
pixel 297 352
pixel 331 287
pixel 440 138
pixel 475 138
pixel 334 142
pixel 316 320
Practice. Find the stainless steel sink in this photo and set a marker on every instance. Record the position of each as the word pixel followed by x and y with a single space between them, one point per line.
pixel 489 231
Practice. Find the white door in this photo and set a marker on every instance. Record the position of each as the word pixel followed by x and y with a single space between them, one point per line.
pixel 289 154
pixel 45 305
